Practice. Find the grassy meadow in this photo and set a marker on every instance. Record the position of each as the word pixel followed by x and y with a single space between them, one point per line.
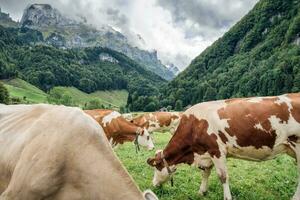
pixel 26 92
pixel 18 88
pixel 115 98
pixel 270 180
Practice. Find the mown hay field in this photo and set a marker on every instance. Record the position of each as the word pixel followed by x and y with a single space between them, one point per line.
pixel 275 179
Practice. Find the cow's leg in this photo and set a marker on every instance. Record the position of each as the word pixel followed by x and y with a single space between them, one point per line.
pixel 220 164
pixel 296 148
pixel 204 182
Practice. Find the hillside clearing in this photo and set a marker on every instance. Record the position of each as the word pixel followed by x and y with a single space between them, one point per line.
pixel 274 179
pixel 115 98
pixel 18 88
pixel 28 93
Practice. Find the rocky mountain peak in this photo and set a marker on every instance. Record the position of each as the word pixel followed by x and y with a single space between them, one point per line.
pixel 6 20
pixel 42 15
pixel 4 15
pixel 174 69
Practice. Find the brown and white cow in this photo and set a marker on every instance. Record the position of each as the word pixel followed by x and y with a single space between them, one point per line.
pixel 158 121
pixel 59 153
pixel 118 130
pixel 255 129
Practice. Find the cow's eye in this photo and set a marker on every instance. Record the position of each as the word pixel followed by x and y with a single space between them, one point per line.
pixel 148 137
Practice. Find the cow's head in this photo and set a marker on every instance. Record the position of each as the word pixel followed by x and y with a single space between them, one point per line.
pixel 178 150
pixel 162 172
pixel 144 138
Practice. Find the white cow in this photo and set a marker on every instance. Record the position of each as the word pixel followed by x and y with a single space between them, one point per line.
pixel 56 152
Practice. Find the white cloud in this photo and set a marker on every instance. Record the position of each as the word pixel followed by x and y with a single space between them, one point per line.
pixel 178 29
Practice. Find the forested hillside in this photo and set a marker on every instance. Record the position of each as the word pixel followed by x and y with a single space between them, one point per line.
pixel 260 55
pixel 88 69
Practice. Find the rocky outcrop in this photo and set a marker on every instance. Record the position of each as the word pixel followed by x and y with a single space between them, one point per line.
pixel 56 40
pixel 67 33
pixel 173 69
pixel 6 20
pixel 4 16
pixel 43 15
pixel 108 58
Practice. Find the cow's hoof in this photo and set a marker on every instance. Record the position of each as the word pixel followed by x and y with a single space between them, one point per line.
pixel 202 193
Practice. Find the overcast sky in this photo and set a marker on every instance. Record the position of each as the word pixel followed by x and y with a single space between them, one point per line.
pixel 178 29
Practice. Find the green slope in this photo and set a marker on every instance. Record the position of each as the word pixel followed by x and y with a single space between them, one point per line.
pixel 24 91
pixel 28 93
pixel 259 56
pixel 115 98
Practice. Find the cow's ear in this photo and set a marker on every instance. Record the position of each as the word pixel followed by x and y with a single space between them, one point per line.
pixel 151 162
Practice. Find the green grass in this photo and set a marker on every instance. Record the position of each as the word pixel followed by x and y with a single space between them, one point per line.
pixel 115 98
pixel 275 179
pixel 18 88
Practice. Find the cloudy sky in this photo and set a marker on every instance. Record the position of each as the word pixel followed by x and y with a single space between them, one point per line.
pixel 178 29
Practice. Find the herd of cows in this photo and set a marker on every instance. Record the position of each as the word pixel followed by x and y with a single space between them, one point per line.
pixel 57 152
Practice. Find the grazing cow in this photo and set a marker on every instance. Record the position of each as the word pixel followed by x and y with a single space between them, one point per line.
pixel 59 153
pixel 255 129
pixel 118 130
pixel 158 121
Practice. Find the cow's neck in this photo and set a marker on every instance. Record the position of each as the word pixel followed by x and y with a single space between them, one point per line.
pixel 128 129
pixel 120 132
pixel 180 148
pixel 178 154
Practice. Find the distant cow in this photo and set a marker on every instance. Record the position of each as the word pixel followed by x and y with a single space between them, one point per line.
pixel 118 130
pixel 256 129
pixel 59 153
pixel 158 121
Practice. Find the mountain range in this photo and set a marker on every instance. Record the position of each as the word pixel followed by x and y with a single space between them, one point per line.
pixel 61 31
pixel 24 55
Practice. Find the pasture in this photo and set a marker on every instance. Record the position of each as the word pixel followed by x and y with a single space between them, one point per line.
pixel 275 179
pixel 114 98
pixel 19 88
